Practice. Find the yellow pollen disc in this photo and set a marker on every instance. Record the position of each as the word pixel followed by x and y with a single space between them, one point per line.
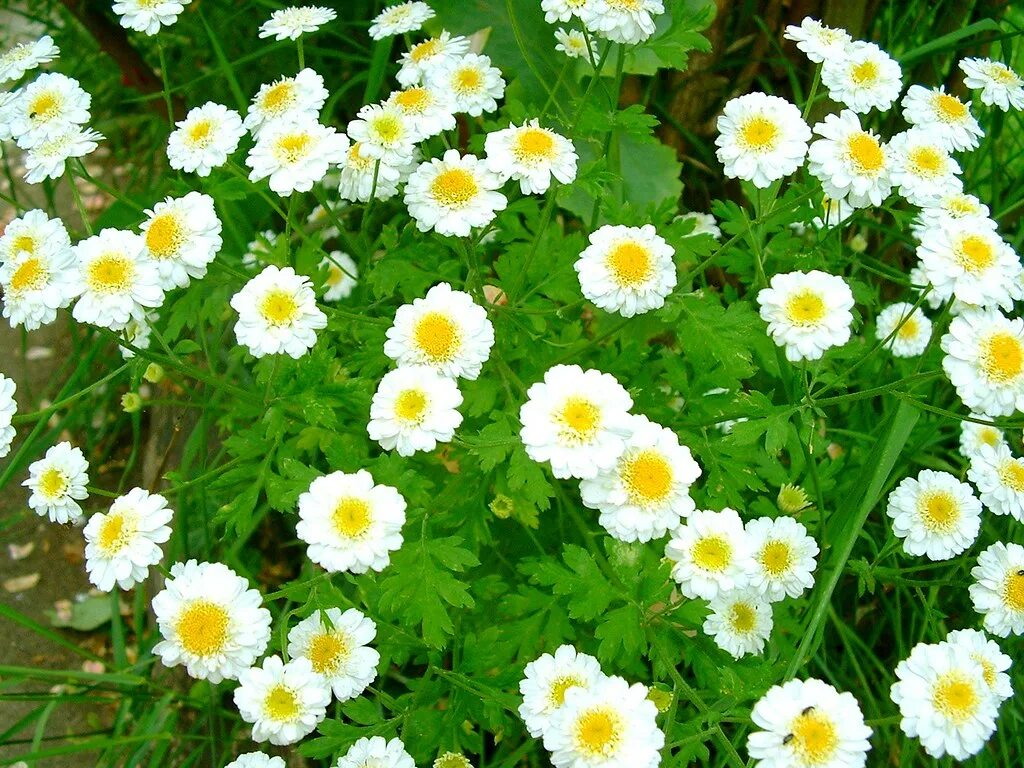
pixel 647 476
pixel 622 5
pixel 975 254
pixel 281 704
pixel 1003 75
pixel 425 50
pixel 1002 357
pixel 387 128
pixel 939 511
pixel 712 553
pixel 278 97
pixel 1013 590
pixel 909 329
pixel 759 133
pixel 110 273
pixel 776 557
pixel 413 100
pixel 165 236
pixel 356 158
pixel 44 106
pixel 468 79
pixel 949 108
pixel 203 628
pixel 1011 473
pixel 454 188
pixel 52 483
pixel 805 308
pixel 864 73
pixel 961 206
pixel 199 134
pixel 352 517
pixel 24 243
pixel 580 419
pixel 411 406
pixel 864 151
pixel 327 651
pixel 956 697
pixel 292 147
pixel 927 161
pixel 532 145
pixel 742 618
pixel 815 739
pixel 279 307
pixel 437 337
pixel 630 264
pixel 989 436
pixel 988 670
pixel 30 275
pixel 335 275
pixel 598 732
pixel 117 531
pixel 559 686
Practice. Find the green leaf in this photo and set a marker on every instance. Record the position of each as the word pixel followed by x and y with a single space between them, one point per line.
pixel 580 579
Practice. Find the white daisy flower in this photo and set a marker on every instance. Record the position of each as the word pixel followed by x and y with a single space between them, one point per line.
pixel 944 700
pixel 818 42
pixel 384 133
pixel 935 514
pixel 986 652
pixel 710 554
pixel 58 482
pixel 647 492
pixel 414 409
pixel 864 78
pixel 375 752
pixel 33 233
pixel 295 154
pixel 1000 480
pixel 740 622
pixel 293 98
pixel 761 138
pixel 1000 86
pixel 122 543
pixel 430 54
pixel 277 313
pixel 546 681
pixel 182 235
pixel 37 282
pixel 944 115
pixel 908 326
pixel 783 557
pixel 452 760
pixel 256 760
pixel 610 724
pixel 204 139
pixel 8 407
pixel 342 274
pixel 293 22
pixel 16 61
pixel 622 21
pixel 47 107
pixel 703 224
pixel 808 723
pixel 573 44
pixel 561 10
pixel 951 205
pixel 283 702
pixel 359 170
pixel 117 281
pixel 578 420
pixel 427 110
pixel 974 436
pixel 985 361
pixel 921 166
pixel 400 18
pixel 628 270
pixel 338 648
pixel 531 155
pixel 998 588
pixel 211 621
pixel 472 82
pixel 445 330
pixel 453 195
pixel 807 313
pixel 849 161
pixel 148 16
pixel 137 333
pixel 46 157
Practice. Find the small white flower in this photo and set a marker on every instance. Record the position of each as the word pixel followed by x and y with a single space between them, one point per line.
pixel 761 138
pixel 433 53
pixel 256 760
pixel 427 110
pixel 277 313
pixel 400 18
pixel 375 752
pixel 472 82
pixel 453 195
pixel 284 702
pixel 338 648
pixel 922 167
pixel 16 61
pixel 935 514
pixel 908 326
pixel 182 235
pixel 998 588
pixel 985 361
pixel 710 554
pixel 864 78
pixel 849 161
pixel 562 10
pixel 783 555
pixel 740 622
pixel 974 436
pixel 807 313
pixel 342 274
pixel 122 543
pixel 414 409
pixel 986 652
pixel 294 98
pixel 362 176
pixel 951 205
pixel 622 21
pixel 8 407
pixel 46 157
pixel 944 115
pixel 1000 480
pixel 38 279
pixel 295 154
pixel 117 280
pixel 384 133
pixel 573 44
pixel 531 155
pixel 970 261
pixel 293 22
pixel 33 233
pixel 47 107
pixel 547 679
pixel 148 16
pixel 703 224
pixel 204 139
pixel 58 482
pixel 818 42
pixel 1000 86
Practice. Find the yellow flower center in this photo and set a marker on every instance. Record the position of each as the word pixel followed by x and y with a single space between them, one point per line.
pixel 909 329
pixel 988 669
pixel 989 436
pixel 1003 74
pixel 759 134
pixel 437 337
pixel 776 557
pixel 1013 590
pixel 165 236
pixel 598 732
pixel 356 158
pixel 926 161
pixel 468 79
pixel 630 264
pixel 411 406
pixel 533 145
pixel 975 253
pixel 327 651
pixel 956 697
pixel 110 273
pixel 580 419
pixel 30 275
pixel 1002 357
pixel 425 50
pixel 52 483
pixel 949 108
pixel 279 97
pixel 452 760
pixel 621 5
pixel 200 133
pixel 292 147
pixel 559 686
pixel 454 188
pixel 352 517
pixel 742 618
pixel 24 243
pixel 413 100
pixel 1011 473
pixel 939 511
pixel 45 106
pixel 117 532
pixel 647 476
pixel 814 738
pixel 805 308
pixel 864 73
pixel 387 128
pixel 962 206
pixel 281 703
pixel 203 628
pixel 279 307
pixel 712 553
pixel 865 153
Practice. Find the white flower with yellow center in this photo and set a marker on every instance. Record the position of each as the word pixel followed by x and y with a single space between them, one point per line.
pixel 944 700
pixel 970 261
pixel 123 542
pixel 864 78
pixel 36 283
pixel 33 233
pixel 994 663
pixel 426 109
pixel 985 361
pixel 16 61
pixel 921 167
pixel 807 313
pixel 531 155
pixel 295 154
pixel 808 724
pixel 628 270
pixel 47 107
pixel 454 195
pixel 414 409
pixel 384 133
pixel 740 622
pixel 363 177
pixel 561 10
pixel 256 760
pixel 761 138
pixel 287 98
pixel 975 436
pixel 951 205
pixel 283 702
pixel 622 21
pixel 1000 86
pixel 434 53
pixel 349 523
pixel 998 589
pixel 610 724
pixel 999 478
pixel 212 623
pixel 137 333
pixel 783 556
pixel 338 648
pixel 204 139
pixel 452 760
pixel 647 492
pixel 906 327
pixel 935 514
pixel 850 162
pixel 277 314
pixel 710 554
pixel 703 224
pixel 573 44
pixel 445 330
pixel 546 681
pixel 944 115
pixel 8 407
pixel 472 82
pixel 818 42
pixel 293 22
pixel 400 18
pixel 58 482
pixel 148 16
pixel 182 235
pixel 375 752
pixel 578 420
pixel 117 281
pixel 46 156
pixel 342 274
